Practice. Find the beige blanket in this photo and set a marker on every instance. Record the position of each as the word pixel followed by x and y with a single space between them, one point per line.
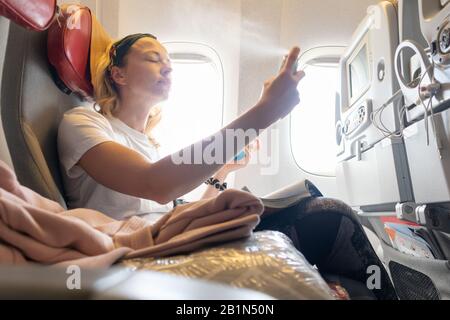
pixel 35 229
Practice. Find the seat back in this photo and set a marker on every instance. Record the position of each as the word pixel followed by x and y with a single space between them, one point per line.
pixel 4 27
pixel 32 108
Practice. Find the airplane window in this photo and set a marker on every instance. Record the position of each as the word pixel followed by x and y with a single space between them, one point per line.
pixel 313 139
pixel 194 109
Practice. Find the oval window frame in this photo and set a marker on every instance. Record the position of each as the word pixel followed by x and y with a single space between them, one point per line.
pixel 316 56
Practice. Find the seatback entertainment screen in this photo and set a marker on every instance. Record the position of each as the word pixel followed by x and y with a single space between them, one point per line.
pixel 359 73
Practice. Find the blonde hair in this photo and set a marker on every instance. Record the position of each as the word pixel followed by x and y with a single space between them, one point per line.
pixel 107 97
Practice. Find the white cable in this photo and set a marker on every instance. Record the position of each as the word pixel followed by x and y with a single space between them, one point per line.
pixel 427 129
pixel 379 112
pixel 433 120
pixel 378 124
pixel 374 113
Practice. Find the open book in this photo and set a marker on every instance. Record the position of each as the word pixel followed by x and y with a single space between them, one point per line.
pixel 289 195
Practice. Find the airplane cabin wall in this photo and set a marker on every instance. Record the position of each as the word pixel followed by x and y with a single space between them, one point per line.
pixel 260 59
pixel 308 24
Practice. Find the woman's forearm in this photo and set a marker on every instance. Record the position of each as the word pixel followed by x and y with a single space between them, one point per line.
pixel 280 96
pixel 177 179
pixel 129 172
pixel 212 191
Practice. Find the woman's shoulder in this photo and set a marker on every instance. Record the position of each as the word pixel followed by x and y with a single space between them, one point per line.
pixel 82 119
pixel 85 116
pixel 84 112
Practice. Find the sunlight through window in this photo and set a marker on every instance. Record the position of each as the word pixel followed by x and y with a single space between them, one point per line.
pixel 194 109
pixel 313 121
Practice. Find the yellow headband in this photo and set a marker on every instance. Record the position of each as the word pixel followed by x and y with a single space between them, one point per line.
pixel 100 42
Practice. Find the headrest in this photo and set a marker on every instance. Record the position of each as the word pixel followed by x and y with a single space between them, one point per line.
pixel 36 15
pixel 74 44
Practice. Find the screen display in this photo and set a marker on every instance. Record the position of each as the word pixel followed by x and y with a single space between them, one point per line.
pixel 359 73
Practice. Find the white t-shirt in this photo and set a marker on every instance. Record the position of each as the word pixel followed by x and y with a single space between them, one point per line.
pixel 82 129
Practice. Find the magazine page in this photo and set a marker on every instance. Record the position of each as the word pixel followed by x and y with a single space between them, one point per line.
pixel 289 195
pixel 289 191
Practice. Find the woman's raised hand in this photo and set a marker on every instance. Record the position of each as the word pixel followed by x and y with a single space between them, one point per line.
pixel 281 92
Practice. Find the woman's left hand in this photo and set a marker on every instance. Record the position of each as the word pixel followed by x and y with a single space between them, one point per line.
pixel 242 163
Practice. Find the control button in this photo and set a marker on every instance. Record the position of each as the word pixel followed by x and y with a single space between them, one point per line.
pixel 381 70
pixel 434 48
pixel 347 125
pixel 444 41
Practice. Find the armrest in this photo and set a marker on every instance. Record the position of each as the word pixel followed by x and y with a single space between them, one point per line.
pixel 37 282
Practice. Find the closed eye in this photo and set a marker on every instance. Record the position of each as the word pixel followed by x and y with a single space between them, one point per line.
pixel 153 57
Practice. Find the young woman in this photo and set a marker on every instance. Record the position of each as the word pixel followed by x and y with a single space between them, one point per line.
pixel 110 161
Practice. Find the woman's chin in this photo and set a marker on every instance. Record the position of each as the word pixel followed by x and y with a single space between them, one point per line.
pixel 159 95
pixel 164 96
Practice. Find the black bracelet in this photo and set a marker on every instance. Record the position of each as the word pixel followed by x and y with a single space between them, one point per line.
pixel 216 184
pixel 177 202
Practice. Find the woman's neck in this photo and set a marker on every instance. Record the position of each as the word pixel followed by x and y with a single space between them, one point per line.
pixel 134 113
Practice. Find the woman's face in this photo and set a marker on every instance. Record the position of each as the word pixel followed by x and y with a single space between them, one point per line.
pixel 147 70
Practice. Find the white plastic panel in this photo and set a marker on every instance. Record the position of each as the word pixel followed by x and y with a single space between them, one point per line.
pixel 372 169
pixel 427 147
pixel 372 180
pixel 430 164
pixel 431 14
pixel 378 34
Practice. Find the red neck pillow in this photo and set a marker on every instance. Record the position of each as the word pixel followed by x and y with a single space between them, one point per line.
pixel 35 15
